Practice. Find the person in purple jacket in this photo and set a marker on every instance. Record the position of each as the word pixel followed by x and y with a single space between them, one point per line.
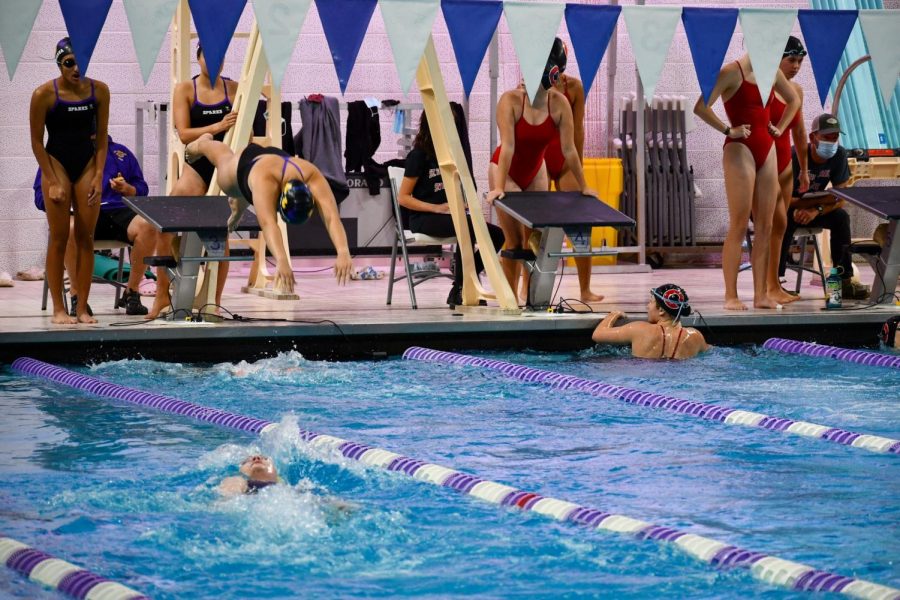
pixel 122 176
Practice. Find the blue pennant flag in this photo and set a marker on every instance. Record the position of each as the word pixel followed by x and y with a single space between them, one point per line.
pixel 590 28
pixel 709 32
pixel 471 24
pixel 826 33
pixel 84 20
pixel 215 23
pixel 345 23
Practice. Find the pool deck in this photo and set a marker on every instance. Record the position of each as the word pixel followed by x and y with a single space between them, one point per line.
pixel 354 322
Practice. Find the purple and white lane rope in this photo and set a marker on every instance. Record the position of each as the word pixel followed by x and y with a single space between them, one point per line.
pixel 60 575
pixel 701 410
pixel 767 568
pixel 862 357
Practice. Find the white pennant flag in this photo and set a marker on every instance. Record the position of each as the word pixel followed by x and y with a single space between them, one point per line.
pixel 15 27
pixel 533 27
pixel 880 28
pixel 279 22
pixel 149 21
pixel 766 32
pixel 650 30
pixel 408 25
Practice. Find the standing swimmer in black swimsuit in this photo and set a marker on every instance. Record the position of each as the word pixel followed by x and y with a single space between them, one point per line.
pixel 275 182
pixel 200 106
pixel 75 111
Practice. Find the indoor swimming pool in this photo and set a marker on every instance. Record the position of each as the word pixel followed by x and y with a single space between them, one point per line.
pixel 129 492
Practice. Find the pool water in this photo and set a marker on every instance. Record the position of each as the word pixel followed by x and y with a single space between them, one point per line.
pixel 130 493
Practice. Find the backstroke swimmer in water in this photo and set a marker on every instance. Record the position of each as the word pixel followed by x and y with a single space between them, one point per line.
pixel 273 181
pixel 662 335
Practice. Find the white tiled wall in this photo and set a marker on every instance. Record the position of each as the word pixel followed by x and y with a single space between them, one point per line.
pixel 23 228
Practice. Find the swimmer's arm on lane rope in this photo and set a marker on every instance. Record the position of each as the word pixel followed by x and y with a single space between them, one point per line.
pixel 331 216
pixel 506 123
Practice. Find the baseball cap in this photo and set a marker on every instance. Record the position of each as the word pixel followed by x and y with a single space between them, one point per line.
pixel 826 123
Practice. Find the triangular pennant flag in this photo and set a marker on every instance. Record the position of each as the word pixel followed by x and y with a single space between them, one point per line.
pixel 709 32
pixel 279 22
pixel 84 20
pixel 590 28
pixel 345 23
pixel 215 23
pixel 15 27
pixel 650 29
pixel 471 24
pixel 533 27
pixel 149 21
pixel 408 25
pixel 880 29
pixel 826 33
pixel 766 32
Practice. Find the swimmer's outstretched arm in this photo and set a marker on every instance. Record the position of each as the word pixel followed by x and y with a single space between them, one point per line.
pixel 266 194
pixel 328 210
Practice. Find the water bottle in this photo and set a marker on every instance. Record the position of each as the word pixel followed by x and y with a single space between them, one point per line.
pixel 834 287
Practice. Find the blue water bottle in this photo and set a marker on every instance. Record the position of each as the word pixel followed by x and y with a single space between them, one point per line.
pixel 834 288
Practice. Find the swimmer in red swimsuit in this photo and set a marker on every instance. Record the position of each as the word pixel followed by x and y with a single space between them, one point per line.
pixel 75 111
pixel 748 161
pixel 662 336
pixel 563 179
pixel 526 129
pixel 791 62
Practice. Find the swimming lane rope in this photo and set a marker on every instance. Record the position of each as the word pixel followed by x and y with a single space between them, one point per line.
pixel 702 410
pixel 767 568
pixel 60 575
pixel 862 357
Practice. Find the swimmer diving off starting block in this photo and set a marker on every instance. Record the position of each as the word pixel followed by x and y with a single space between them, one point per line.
pixel 274 182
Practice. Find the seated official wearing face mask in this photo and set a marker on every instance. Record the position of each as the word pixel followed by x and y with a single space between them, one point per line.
pixel 818 208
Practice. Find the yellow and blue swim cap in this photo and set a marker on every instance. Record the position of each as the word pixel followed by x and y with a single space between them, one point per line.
pixel 296 204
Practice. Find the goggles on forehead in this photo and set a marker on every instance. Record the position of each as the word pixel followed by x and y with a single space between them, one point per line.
pixel 794 52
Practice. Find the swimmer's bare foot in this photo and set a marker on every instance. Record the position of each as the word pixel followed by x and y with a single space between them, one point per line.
pixel 192 151
pixel 589 296
pixel 734 304
pixel 86 318
pixel 61 317
pixel 764 302
pixel 237 211
pixel 159 307
pixel 781 297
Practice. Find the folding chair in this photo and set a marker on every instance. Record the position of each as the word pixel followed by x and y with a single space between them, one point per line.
pixel 403 239
pixel 118 283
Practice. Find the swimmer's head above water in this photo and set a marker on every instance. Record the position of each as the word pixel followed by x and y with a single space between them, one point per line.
pixel 668 299
pixel 258 472
pixel 890 332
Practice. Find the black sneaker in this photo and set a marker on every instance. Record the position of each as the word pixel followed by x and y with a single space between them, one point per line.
pixel 73 310
pixel 131 301
pixel 854 291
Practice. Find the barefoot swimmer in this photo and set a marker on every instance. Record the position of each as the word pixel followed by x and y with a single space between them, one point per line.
pixel 273 181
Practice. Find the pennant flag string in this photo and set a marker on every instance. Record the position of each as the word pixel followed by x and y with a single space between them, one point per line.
pixel 345 23
pixel 533 27
pixel 216 22
pixel 590 28
pixel 15 27
pixel 766 32
pixel 709 32
pixel 471 24
pixel 408 24
pixel 279 22
pixel 149 22
pixel 84 20
pixel 650 29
